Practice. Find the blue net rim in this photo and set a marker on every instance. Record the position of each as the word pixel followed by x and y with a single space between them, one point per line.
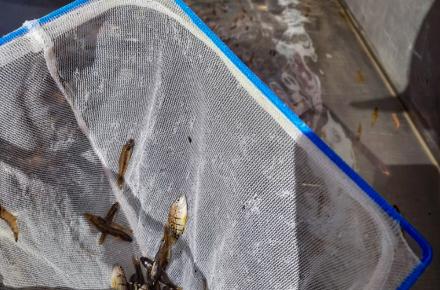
pixel 270 95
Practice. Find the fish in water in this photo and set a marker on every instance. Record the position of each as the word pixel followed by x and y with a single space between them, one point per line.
pixel 173 229
pixel 109 219
pixel 360 78
pixel 11 220
pixel 395 120
pixel 107 227
pixel 124 158
pixel 374 116
pixel 118 280
pixel 359 132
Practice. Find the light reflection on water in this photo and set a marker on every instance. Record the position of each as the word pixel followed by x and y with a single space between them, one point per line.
pixel 270 37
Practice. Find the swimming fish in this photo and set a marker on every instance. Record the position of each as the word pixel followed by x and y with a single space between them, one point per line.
pixel 124 158
pixel 109 219
pixel 11 220
pixel 118 279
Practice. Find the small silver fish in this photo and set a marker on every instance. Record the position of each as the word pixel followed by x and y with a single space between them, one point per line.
pixel 124 158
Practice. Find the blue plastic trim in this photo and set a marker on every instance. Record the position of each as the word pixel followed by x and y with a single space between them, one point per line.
pixel 424 245
pixel 45 19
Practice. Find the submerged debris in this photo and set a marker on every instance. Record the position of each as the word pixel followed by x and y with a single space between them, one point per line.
pixel 11 220
pixel 360 78
pixel 124 158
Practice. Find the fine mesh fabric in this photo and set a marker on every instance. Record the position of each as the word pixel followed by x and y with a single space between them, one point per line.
pixel 267 209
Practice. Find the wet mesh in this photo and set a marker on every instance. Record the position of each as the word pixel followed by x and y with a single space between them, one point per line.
pixel 267 209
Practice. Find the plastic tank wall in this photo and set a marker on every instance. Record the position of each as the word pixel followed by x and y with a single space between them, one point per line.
pixel 405 37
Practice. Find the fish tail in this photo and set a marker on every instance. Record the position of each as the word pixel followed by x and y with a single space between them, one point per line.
pixel 120 181
pixel 102 238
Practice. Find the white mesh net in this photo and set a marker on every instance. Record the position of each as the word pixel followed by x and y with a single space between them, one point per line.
pixel 267 209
